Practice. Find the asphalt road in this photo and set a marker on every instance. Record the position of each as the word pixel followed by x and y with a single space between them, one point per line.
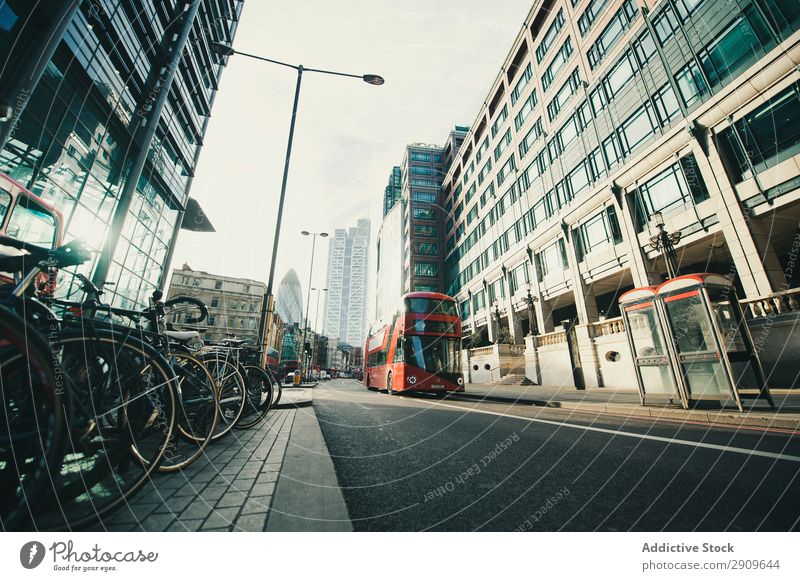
pixel 426 463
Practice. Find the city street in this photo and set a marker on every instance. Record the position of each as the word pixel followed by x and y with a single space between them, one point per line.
pixel 428 463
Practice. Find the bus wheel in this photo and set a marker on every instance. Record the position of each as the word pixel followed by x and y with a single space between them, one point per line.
pixel 389 389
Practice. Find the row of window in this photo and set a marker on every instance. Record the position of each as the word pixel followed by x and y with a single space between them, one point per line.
pixel 611 33
pixel 550 36
pixel 558 63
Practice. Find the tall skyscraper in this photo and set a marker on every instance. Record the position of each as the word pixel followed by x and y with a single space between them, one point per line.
pixel 346 300
pixel 394 189
pixel 289 300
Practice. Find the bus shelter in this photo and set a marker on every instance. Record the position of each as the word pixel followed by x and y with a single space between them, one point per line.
pixel 713 350
pixel 655 373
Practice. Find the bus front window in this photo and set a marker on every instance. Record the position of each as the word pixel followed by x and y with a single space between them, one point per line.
pixel 30 222
pixel 435 355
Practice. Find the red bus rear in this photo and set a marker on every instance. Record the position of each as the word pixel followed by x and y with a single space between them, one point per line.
pixel 419 350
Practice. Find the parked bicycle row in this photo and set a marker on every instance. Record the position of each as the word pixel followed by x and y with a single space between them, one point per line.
pixel 98 398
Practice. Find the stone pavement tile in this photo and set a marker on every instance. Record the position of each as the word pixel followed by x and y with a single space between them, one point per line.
pixel 266 477
pixel 262 489
pixel 212 494
pixel 175 504
pixel 221 530
pixel 257 505
pixel 190 490
pixel 251 522
pixel 242 484
pixel 232 498
pixel 158 522
pixel 249 473
pixel 198 509
pixel 132 513
pixel 221 517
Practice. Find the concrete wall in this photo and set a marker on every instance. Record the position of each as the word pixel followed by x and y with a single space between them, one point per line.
pixel 554 365
pixel 777 341
pixel 620 373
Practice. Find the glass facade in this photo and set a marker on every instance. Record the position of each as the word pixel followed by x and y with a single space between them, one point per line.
pixel 74 144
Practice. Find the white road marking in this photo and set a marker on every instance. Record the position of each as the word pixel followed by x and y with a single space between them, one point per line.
pixel 681 442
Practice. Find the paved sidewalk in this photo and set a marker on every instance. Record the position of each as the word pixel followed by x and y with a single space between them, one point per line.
pixel 234 486
pixel 626 402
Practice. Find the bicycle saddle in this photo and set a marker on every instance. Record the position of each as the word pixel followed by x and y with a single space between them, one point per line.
pixel 182 335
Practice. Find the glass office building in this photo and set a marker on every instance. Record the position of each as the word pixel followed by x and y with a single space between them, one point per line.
pixel 77 138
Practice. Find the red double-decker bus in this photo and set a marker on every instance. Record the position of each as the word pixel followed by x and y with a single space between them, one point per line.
pixel 419 350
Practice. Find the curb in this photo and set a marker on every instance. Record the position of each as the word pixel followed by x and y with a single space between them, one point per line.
pixel 727 417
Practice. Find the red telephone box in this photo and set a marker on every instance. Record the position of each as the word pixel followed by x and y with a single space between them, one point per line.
pixel 712 347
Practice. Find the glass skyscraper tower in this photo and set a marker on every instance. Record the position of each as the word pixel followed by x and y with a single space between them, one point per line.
pixel 111 132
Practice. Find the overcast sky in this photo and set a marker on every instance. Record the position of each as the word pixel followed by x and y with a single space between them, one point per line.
pixel 438 58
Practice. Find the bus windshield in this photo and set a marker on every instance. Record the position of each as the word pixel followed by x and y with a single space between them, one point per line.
pixel 430 306
pixel 30 222
pixel 437 355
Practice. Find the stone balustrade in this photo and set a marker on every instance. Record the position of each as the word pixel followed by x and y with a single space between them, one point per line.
pixel 554 338
pixel 613 326
pixel 775 304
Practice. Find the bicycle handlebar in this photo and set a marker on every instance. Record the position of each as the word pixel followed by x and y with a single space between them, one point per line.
pixel 71 254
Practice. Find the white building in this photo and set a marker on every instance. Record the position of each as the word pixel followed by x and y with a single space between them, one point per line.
pixel 346 300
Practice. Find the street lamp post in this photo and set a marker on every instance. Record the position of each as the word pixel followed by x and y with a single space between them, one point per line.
pixel 533 328
pixel 310 272
pixel 665 242
pixel 225 51
pixel 316 316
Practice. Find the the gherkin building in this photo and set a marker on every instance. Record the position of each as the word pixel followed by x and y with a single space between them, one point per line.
pixel 289 299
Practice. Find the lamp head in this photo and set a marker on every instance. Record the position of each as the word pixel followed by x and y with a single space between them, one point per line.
pixel 305 233
pixel 658 219
pixel 373 79
pixel 323 234
pixel 222 49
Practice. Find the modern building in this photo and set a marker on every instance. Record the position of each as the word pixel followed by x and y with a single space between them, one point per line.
pixel 605 116
pixel 394 189
pixel 234 306
pixel 111 131
pixel 289 300
pixel 410 250
pixel 346 299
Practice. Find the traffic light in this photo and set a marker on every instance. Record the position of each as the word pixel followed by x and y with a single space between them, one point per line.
pixel 308 347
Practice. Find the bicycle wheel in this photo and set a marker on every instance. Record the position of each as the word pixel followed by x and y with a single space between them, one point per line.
pixel 278 392
pixel 32 421
pixel 232 391
pixel 125 399
pixel 198 413
pixel 259 396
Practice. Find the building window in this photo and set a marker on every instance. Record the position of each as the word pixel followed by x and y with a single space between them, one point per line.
pixel 211 319
pixel 770 134
pixel 784 15
pixel 611 33
pixel 214 303
pixel 638 128
pixel 501 117
pixel 738 46
pixel 552 260
pixel 218 285
pixel 501 146
pixel 564 94
pixel 558 63
pixel 480 151
pixel 691 84
pixel 478 300
pixel 598 232
pixel 485 171
pixel 424 213
pixel 550 36
pixel 425 230
pixel 589 15
pixel 426 197
pixel 426 269
pixel 420 156
pixel 674 189
pixel 508 167
pixel 470 193
pixel 518 277
pixel 497 291
pixel 464 310
pixel 526 109
pixel 421 170
pixel 530 138
pixel 427 248
pixel 521 84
